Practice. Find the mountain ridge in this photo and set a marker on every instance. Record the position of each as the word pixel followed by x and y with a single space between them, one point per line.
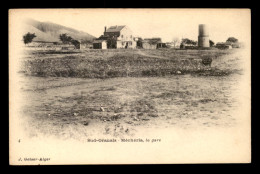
pixel 49 31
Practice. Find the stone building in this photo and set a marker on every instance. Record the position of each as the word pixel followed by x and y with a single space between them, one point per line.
pixel 116 37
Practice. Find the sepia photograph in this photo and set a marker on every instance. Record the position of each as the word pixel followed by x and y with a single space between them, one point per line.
pixel 129 86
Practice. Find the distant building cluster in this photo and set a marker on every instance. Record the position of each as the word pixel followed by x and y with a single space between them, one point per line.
pixel 122 37
pixel 228 45
pixel 43 45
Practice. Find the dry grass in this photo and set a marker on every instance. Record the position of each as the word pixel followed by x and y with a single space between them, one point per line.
pixel 123 63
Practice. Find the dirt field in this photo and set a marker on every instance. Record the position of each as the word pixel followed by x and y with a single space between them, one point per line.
pixel 78 108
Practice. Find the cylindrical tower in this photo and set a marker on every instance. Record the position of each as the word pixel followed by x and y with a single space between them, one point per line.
pixel 203 39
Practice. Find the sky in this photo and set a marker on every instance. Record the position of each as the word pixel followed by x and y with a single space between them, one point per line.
pixel 147 23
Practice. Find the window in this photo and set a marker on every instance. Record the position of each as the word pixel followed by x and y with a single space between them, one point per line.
pixel 131 36
pixel 122 36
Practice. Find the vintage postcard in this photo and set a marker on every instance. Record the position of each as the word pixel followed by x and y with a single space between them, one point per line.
pixel 129 86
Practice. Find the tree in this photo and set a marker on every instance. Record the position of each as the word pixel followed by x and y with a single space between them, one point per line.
pixel 111 42
pixel 211 43
pixel 139 42
pixel 175 41
pixel 232 39
pixel 188 41
pixel 65 38
pixel 27 38
pixel 76 43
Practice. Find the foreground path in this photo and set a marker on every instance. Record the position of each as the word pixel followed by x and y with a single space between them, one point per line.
pixel 130 105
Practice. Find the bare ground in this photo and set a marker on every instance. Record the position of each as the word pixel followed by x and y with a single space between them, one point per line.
pixel 81 108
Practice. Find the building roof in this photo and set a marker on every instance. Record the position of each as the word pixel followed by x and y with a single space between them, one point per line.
pixel 147 42
pixel 102 37
pixel 98 41
pixel 38 41
pixel 223 43
pixel 67 45
pixel 115 28
pixel 152 40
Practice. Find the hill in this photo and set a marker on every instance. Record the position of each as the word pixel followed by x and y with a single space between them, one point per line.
pixel 49 32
